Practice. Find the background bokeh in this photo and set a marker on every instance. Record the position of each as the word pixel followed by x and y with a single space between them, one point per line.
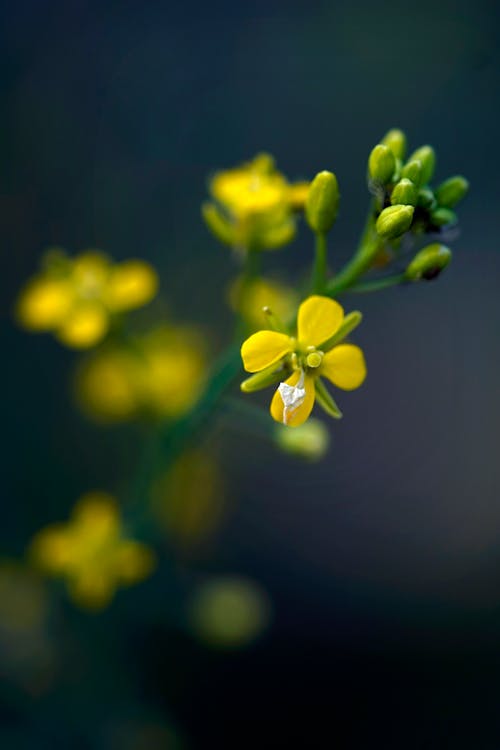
pixel 382 562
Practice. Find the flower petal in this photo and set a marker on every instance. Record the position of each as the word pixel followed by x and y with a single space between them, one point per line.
pixel 131 284
pixel 44 303
pixel 319 318
pixel 345 366
pixel 86 325
pixel 301 413
pixel 264 348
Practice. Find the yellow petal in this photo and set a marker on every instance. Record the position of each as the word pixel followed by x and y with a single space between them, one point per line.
pixel 44 303
pixel 301 413
pixel 297 194
pixel 319 318
pixel 345 366
pixel 131 284
pixel 86 325
pixel 263 349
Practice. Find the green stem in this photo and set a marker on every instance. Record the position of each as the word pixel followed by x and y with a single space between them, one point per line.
pixel 320 263
pixel 378 284
pixel 361 261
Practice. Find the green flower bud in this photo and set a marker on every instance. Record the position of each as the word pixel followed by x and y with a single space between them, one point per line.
pixel 426 155
pixel 322 202
pixel 394 221
pixel 440 217
pixel 412 170
pixel 405 192
pixel 396 140
pixel 310 440
pixel 428 263
pixel 451 191
pixel 426 198
pixel 381 164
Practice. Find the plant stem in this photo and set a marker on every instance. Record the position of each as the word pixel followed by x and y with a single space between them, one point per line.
pixel 320 263
pixel 360 262
pixel 377 284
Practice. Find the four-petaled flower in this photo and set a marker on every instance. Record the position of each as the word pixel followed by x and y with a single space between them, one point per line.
pixel 91 553
pixel 75 298
pixel 316 352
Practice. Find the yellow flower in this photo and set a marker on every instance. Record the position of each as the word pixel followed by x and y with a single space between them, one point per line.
pixel 75 298
pixel 253 205
pixel 91 553
pixel 159 373
pixel 249 299
pixel 316 352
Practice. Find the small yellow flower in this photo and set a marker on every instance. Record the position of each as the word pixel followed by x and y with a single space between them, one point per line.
pixel 160 373
pixel 316 352
pixel 250 298
pixel 75 298
pixel 253 205
pixel 91 553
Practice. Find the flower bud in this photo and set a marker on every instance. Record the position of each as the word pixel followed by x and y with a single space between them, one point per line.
pixel 310 440
pixel 405 192
pixel 426 198
pixel 451 191
pixel 440 217
pixel 322 202
pixel 429 262
pixel 427 157
pixel 381 164
pixel 412 170
pixel 394 221
pixel 396 140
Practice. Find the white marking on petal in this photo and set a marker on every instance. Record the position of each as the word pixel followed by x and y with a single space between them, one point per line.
pixel 292 396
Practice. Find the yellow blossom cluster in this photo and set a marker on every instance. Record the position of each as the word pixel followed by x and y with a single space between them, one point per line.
pixel 91 553
pixel 76 298
pixel 253 205
pixel 159 373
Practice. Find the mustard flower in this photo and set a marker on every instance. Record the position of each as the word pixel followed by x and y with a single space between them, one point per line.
pixel 249 298
pixel 75 298
pixel 253 205
pixel 314 353
pixel 91 553
pixel 159 373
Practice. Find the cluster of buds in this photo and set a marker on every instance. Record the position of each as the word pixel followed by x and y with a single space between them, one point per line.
pixel 405 201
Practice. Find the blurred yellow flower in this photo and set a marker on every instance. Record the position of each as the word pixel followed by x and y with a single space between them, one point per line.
pixel 253 204
pixel 249 299
pixel 315 352
pixel 91 553
pixel 190 499
pixel 160 373
pixel 75 298
pixel 229 612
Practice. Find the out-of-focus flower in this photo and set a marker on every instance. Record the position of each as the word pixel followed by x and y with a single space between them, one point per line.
pixel 160 373
pixel 316 352
pixel 75 298
pixel 229 612
pixel 250 298
pixel 190 499
pixel 310 441
pixel 91 553
pixel 252 205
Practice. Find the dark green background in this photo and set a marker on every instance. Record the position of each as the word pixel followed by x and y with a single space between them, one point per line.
pixel 382 562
